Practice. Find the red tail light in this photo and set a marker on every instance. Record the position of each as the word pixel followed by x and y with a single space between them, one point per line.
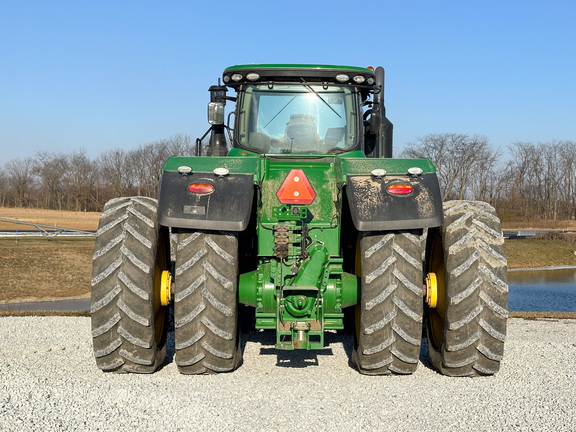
pixel 296 189
pixel 201 188
pixel 400 189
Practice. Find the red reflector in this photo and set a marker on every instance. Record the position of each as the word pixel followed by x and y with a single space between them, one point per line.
pixel 201 188
pixel 399 189
pixel 296 189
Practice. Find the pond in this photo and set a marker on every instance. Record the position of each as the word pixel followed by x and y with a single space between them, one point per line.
pixel 542 290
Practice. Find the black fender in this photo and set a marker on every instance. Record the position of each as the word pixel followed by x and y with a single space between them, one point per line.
pixel 373 208
pixel 228 208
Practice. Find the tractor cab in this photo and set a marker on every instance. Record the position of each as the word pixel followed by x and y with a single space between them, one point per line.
pixel 301 109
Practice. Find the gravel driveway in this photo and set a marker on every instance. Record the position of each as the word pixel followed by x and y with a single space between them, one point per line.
pixel 49 381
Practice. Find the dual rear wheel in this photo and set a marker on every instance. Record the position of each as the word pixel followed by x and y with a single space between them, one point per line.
pixel 129 316
pixel 465 306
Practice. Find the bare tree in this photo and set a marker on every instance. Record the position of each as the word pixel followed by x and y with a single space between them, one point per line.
pixel 466 166
pixel 567 154
pixel 488 182
pixel 148 160
pixel 116 174
pixel 544 179
pixel 4 189
pixel 51 171
pixel 20 180
pixel 180 145
pixel 82 182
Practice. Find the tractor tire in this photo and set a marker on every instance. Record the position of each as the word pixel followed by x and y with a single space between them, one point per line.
pixel 205 303
pixel 467 328
pixel 389 314
pixel 129 325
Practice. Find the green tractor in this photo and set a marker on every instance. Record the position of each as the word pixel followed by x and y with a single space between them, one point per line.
pixel 296 212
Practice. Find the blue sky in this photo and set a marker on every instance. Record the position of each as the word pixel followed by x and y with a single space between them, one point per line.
pixel 97 75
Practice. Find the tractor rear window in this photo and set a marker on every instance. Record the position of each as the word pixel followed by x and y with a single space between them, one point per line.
pixel 297 118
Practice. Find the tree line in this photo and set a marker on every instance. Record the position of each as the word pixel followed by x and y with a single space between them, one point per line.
pixel 76 182
pixel 533 181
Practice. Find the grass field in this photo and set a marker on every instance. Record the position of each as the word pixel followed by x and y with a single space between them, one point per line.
pixel 67 219
pixel 532 253
pixel 45 268
pixel 50 267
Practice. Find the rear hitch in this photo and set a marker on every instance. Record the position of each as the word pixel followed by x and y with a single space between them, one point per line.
pixel 300 328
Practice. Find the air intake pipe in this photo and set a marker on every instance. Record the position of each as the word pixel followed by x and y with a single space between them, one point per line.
pixel 383 127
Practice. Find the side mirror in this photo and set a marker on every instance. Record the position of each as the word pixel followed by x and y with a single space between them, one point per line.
pixel 216 113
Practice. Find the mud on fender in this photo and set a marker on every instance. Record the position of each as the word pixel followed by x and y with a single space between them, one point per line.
pixel 374 208
pixel 227 208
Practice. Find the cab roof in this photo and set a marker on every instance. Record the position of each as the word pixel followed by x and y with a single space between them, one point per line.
pixel 352 75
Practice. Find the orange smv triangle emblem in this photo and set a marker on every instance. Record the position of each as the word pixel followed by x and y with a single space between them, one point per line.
pixel 296 189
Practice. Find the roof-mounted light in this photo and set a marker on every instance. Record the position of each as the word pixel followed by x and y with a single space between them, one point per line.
pixel 226 78
pixel 359 79
pixel 370 81
pixel 237 77
pixel 252 76
pixel 342 78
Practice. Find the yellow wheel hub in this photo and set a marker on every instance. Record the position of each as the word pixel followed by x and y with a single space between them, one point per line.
pixel 166 288
pixel 431 290
pixel 435 292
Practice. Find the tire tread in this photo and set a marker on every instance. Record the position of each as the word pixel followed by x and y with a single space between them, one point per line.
pixel 476 291
pixel 390 331
pixel 122 315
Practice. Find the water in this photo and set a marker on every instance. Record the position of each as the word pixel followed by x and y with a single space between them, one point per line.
pixel 542 290
pixel 529 291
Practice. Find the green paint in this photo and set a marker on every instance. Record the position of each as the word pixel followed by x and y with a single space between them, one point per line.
pixel 359 166
pixel 255 67
pixel 310 272
pixel 303 292
pixel 236 165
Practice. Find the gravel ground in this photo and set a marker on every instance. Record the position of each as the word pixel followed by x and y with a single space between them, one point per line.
pixel 49 381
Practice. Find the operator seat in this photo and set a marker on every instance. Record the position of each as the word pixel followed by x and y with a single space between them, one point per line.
pixel 301 134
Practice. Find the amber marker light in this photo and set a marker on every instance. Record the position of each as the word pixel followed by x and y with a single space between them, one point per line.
pixel 400 189
pixel 201 188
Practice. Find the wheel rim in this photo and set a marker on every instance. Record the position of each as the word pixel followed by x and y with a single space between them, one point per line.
pixel 161 267
pixel 437 315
